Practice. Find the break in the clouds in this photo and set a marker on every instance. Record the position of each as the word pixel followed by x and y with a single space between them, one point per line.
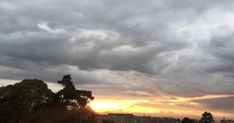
pixel 143 47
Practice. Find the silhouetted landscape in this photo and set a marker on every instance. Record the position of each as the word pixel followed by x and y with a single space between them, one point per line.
pixel 31 101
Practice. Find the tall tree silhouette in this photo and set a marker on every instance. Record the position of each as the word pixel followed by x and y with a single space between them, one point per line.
pixel 66 82
pixel 71 98
pixel 207 117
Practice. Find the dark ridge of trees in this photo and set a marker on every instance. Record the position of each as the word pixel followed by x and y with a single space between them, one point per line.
pixel 187 120
pixel 30 101
pixel 207 117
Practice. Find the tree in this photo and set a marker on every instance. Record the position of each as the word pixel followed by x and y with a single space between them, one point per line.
pixel 74 102
pixel 207 117
pixel 30 101
pixel 187 120
pixel 21 99
pixel 71 98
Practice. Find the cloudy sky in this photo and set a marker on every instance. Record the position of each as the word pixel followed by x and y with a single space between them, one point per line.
pixel 158 57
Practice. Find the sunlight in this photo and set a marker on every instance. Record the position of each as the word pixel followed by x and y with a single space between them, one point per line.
pixel 160 107
pixel 97 106
pixel 124 106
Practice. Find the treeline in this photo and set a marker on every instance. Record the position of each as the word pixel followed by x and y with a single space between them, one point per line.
pixel 31 101
pixel 207 117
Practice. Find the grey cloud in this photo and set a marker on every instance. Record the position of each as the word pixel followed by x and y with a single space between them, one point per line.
pixel 221 47
pixel 44 39
pixel 224 104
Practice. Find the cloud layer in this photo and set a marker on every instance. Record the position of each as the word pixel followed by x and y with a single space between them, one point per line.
pixel 141 48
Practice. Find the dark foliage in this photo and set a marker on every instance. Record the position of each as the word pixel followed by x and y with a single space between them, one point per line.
pixel 187 120
pixel 207 117
pixel 70 97
pixel 30 101
pixel 19 100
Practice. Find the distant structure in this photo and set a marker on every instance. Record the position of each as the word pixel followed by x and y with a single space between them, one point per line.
pixel 226 121
pixel 130 118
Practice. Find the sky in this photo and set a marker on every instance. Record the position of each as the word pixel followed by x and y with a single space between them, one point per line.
pixel 152 57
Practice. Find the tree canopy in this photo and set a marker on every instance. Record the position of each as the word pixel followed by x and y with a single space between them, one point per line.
pixel 32 101
pixel 207 117
pixel 187 120
pixel 20 99
pixel 70 97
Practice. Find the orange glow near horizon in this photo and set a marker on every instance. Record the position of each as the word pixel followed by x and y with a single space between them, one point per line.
pixel 127 106
pixel 100 106
pixel 104 106
pixel 163 106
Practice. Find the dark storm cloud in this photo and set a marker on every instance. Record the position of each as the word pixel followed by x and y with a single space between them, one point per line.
pixel 172 46
pixel 221 104
pixel 222 48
